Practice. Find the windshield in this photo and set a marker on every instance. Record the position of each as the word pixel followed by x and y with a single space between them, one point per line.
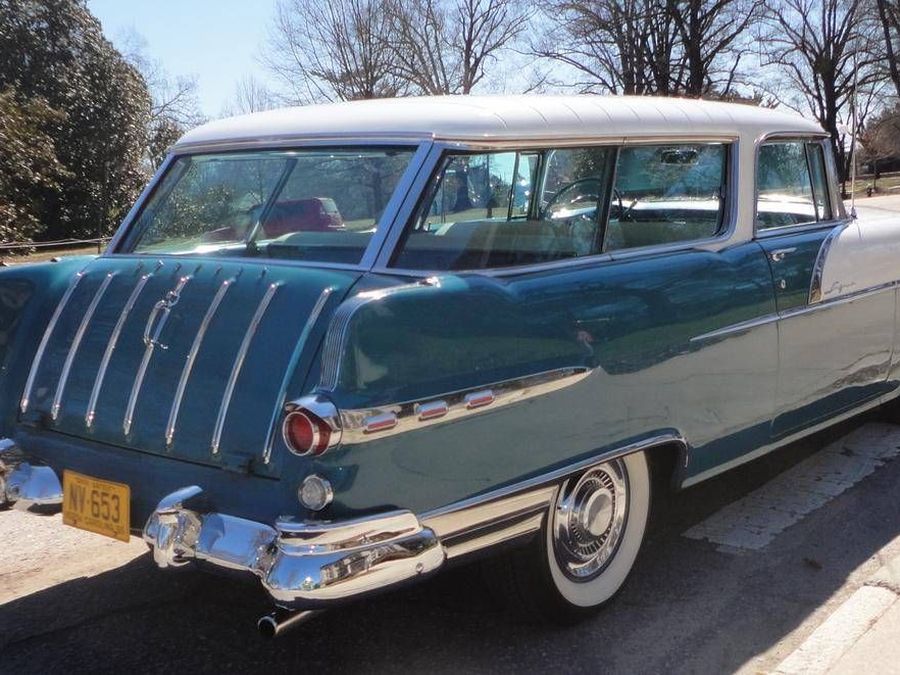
pixel 321 205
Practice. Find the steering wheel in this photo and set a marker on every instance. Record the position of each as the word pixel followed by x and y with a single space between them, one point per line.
pixel 624 214
pixel 568 187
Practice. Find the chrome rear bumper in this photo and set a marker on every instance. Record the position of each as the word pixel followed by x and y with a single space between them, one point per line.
pixel 302 565
pixel 24 484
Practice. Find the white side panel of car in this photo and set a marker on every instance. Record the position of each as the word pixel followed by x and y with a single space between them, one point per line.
pixel 863 256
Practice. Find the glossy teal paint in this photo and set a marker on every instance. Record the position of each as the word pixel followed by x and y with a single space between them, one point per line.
pixel 633 322
pixel 792 256
pixel 270 362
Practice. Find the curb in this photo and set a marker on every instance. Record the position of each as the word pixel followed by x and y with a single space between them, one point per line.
pixel 846 625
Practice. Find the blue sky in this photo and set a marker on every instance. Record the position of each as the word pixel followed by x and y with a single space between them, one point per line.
pixel 216 40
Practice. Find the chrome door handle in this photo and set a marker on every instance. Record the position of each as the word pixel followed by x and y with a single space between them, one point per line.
pixel 779 254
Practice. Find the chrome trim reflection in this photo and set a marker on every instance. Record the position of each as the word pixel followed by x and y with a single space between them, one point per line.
pixel 322 408
pixel 45 340
pixel 366 424
pixel 311 322
pixel 239 364
pixel 338 329
pixel 460 525
pixel 151 343
pixel 302 564
pixel 815 284
pixel 192 357
pixel 76 343
pixel 110 347
pixel 741 327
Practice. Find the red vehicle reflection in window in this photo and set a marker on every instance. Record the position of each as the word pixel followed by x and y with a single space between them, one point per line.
pixel 318 214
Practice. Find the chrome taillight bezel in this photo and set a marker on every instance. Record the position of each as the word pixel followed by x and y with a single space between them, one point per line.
pixel 321 412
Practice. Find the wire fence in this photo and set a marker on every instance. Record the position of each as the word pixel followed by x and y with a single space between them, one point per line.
pixel 10 246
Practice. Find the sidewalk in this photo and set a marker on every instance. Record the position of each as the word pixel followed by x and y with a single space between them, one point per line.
pixel 861 636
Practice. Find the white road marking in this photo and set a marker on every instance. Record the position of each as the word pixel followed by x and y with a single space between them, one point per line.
pixel 838 633
pixel 753 521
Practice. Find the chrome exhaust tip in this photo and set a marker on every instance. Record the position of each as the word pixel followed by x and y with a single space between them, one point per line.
pixel 281 620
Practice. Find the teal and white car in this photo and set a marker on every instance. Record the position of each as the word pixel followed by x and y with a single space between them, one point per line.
pixel 517 313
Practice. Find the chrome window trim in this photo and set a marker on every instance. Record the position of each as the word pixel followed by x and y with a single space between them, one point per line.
pixel 787 136
pixel 730 214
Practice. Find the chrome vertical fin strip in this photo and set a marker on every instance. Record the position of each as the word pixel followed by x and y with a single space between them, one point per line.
pixel 238 364
pixel 311 322
pixel 162 307
pixel 45 340
pixel 110 347
pixel 76 343
pixel 192 356
pixel 815 284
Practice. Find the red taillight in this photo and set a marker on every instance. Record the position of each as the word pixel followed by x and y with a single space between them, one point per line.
pixel 305 433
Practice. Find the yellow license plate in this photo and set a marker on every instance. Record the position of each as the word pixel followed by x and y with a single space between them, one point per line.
pixel 97 505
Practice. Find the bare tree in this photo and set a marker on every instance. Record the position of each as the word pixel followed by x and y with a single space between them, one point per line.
pixel 174 106
pixel 332 50
pixel 667 47
pixel 445 46
pixel 889 18
pixel 173 98
pixel 822 49
pixel 713 40
pixel 250 95
pixel 616 46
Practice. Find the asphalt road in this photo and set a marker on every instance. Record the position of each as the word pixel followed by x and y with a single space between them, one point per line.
pixel 75 602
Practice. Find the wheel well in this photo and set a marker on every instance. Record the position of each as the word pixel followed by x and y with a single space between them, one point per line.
pixel 666 465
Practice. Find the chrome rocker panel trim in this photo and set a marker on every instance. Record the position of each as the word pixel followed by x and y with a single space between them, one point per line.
pixel 302 565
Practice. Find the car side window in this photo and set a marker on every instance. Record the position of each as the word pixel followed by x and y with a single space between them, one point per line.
pixel 667 193
pixel 791 184
pixel 490 210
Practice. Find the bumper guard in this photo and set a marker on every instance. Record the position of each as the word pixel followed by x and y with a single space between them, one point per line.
pixel 302 565
pixel 23 484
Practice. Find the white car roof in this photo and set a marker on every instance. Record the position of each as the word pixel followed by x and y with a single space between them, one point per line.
pixel 500 118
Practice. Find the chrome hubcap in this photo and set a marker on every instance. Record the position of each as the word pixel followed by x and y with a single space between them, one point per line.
pixel 589 520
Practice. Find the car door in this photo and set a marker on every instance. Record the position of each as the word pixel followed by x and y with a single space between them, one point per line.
pixel 833 354
pixel 625 262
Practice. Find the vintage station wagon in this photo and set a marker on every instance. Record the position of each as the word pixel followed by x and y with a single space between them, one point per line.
pixel 341 347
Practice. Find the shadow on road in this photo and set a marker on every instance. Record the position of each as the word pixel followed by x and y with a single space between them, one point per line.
pixel 687 607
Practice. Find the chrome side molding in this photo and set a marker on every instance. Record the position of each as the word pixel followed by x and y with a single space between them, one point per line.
pixel 361 425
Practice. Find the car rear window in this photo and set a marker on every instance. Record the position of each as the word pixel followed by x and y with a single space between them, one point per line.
pixel 320 205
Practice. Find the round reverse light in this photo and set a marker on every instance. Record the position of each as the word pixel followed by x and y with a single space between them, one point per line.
pixel 315 493
pixel 305 433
